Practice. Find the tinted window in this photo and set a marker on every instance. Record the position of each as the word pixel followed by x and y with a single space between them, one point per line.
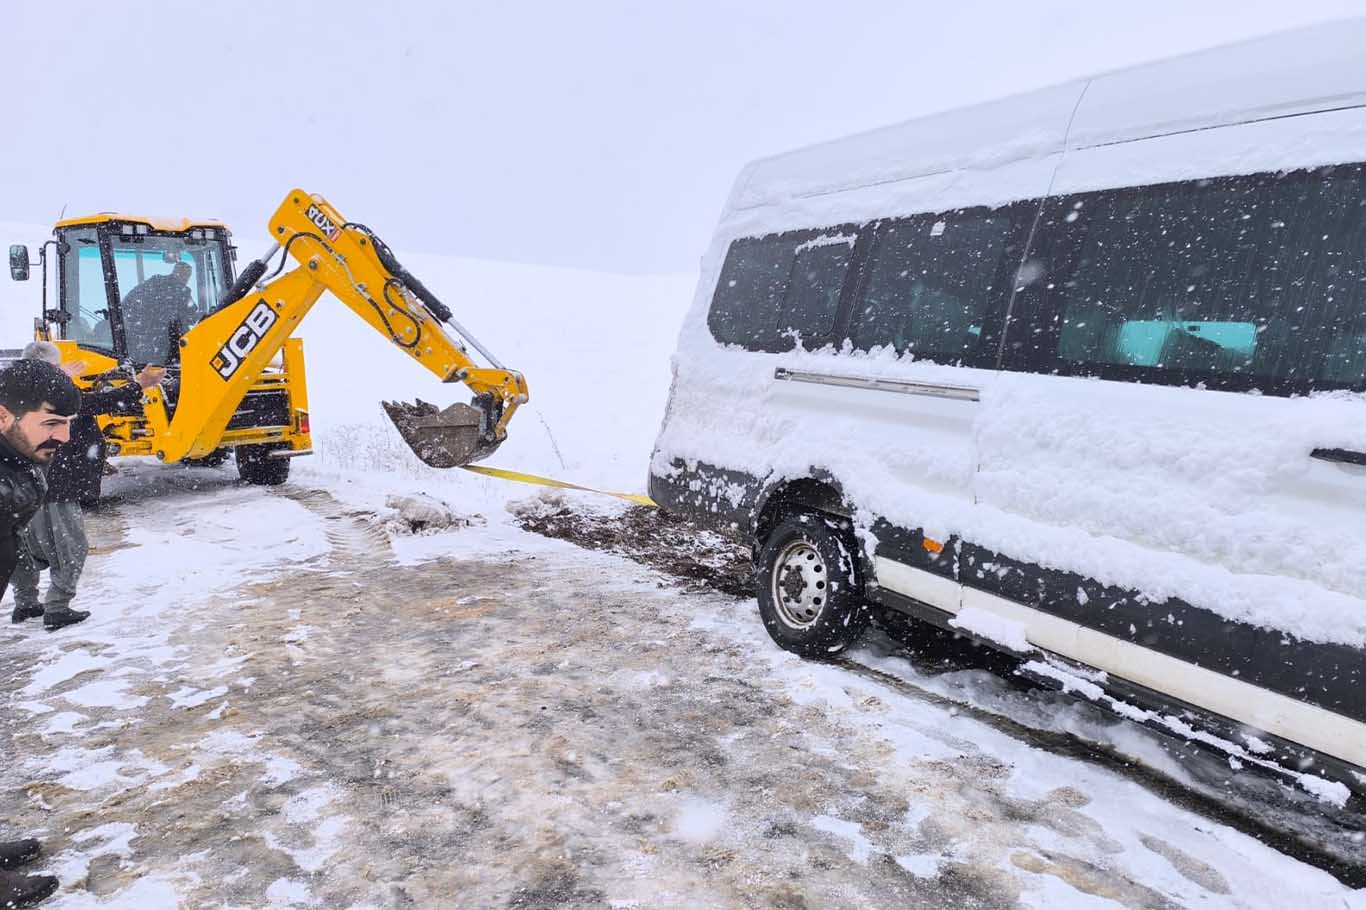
pixel 930 284
pixel 157 254
pixel 1239 281
pixel 813 288
pixel 83 291
pixel 774 290
pixel 1339 280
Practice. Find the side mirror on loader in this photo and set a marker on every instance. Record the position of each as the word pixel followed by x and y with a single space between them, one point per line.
pixel 18 262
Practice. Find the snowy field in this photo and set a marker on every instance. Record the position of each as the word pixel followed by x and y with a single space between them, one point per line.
pixel 284 700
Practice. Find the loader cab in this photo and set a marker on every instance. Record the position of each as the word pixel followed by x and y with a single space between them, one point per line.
pixel 127 286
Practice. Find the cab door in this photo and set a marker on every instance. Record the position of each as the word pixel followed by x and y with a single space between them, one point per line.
pixel 83 291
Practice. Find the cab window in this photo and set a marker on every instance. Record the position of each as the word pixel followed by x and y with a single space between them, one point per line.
pixel 166 283
pixel 83 292
pixel 135 263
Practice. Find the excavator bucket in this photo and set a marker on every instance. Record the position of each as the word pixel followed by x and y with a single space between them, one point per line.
pixel 442 437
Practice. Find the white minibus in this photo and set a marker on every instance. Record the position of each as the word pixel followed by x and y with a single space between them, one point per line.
pixel 1078 374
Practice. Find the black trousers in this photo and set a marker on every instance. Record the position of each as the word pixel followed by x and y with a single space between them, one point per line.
pixel 9 558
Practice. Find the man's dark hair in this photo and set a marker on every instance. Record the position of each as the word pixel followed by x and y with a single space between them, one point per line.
pixel 26 384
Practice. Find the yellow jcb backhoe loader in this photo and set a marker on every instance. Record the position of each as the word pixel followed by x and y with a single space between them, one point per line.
pixel 133 291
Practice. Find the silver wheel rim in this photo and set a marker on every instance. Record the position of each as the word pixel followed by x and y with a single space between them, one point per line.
pixel 799 585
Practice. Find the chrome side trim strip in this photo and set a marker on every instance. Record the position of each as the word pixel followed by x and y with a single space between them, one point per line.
pixel 927 389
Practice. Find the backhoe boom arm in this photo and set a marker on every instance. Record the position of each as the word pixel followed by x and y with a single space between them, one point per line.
pixel 225 353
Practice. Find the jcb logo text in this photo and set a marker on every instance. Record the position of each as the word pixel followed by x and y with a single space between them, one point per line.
pixel 244 340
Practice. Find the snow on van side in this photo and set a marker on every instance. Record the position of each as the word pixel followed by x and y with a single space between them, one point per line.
pixel 718 416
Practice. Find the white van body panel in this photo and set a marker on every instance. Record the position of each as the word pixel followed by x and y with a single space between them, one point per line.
pixel 917 584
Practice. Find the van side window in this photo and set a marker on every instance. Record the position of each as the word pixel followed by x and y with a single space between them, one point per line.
pixel 1340 276
pixel 813 289
pixel 775 290
pixel 930 283
pixel 1236 281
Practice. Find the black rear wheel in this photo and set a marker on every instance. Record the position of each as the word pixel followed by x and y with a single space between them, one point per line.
pixel 810 592
pixel 255 466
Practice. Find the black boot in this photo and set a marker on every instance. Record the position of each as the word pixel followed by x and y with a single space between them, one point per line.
pixel 22 613
pixel 58 618
pixel 18 890
pixel 16 853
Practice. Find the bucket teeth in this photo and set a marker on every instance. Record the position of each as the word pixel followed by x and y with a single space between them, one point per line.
pixel 442 437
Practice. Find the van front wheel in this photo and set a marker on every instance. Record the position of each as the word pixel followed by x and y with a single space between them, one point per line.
pixel 810 594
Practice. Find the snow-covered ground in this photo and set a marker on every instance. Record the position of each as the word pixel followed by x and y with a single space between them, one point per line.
pixel 321 718
pixel 283 702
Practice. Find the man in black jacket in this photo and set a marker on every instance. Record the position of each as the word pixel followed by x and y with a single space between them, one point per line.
pixel 156 312
pixel 55 537
pixel 37 402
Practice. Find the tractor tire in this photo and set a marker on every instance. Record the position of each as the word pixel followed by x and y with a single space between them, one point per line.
pixel 256 467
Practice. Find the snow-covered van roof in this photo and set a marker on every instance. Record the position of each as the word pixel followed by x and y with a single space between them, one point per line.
pixel 1320 68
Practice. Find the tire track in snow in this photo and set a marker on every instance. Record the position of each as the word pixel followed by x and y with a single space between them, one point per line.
pixel 1347 865
pixel 353 535
pixel 1314 834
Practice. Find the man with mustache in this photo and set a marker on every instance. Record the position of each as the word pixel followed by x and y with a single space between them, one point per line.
pixel 37 402
pixel 55 538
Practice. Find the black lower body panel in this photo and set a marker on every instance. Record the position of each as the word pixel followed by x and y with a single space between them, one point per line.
pixel 715 498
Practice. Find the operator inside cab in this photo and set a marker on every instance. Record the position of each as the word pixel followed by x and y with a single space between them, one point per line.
pixel 156 313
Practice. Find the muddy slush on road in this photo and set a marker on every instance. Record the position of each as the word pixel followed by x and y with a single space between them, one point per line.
pixel 332 718
pixel 1253 802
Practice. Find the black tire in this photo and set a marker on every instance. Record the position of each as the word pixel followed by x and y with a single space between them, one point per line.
pixel 810 590
pixel 255 466
pixel 211 460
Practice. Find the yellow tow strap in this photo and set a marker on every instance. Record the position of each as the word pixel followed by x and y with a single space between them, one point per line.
pixel 560 484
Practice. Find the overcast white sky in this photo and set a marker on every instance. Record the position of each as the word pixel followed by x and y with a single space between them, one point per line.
pixel 602 135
